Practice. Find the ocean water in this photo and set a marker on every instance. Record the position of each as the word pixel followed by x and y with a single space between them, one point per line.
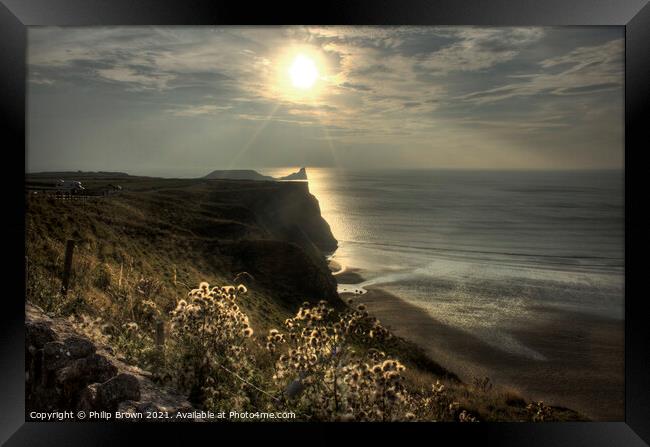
pixel 482 250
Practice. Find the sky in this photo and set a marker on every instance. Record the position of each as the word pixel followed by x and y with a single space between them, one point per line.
pixel 187 100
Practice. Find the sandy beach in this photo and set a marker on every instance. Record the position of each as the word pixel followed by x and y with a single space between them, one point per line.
pixel 344 274
pixel 583 370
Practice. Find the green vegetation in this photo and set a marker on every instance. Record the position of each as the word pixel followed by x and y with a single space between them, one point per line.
pixel 255 346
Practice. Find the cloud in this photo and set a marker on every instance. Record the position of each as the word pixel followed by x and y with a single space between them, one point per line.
pixel 583 70
pixel 41 81
pixel 353 86
pixel 147 58
pixel 134 79
pixel 410 88
pixel 193 111
pixel 479 48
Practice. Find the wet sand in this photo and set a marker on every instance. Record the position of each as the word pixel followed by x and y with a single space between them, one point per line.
pixel 345 275
pixel 583 370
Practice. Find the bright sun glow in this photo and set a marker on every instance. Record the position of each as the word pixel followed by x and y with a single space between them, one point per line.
pixel 303 72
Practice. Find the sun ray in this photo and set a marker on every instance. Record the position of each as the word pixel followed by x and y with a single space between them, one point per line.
pixel 246 147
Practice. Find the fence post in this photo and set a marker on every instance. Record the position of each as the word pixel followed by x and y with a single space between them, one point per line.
pixel 67 266
pixel 160 335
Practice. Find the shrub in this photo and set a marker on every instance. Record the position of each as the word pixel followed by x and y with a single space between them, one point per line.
pixel 324 364
pixel 135 344
pixel 323 374
pixel 210 336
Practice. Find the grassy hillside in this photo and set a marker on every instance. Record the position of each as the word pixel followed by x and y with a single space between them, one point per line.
pixel 138 254
pixel 180 232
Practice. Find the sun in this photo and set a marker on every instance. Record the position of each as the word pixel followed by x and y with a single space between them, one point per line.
pixel 303 72
pixel 299 73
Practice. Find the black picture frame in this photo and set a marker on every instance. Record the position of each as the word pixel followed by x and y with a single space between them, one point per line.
pixel 16 15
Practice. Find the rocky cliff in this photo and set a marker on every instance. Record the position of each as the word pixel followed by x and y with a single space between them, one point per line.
pixel 285 251
pixel 300 175
pixel 284 207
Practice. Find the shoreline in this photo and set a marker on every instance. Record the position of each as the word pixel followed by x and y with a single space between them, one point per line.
pixel 584 366
pixel 344 274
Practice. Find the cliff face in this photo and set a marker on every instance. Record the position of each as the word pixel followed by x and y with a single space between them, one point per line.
pixel 290 208
pixel 286 253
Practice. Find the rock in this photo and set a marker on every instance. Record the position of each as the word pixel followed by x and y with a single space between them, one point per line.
pixel 146 407
pixel 54 356
pixel 244 278
pixel 120 388
pixel 119 392
pixel 88 398
pixel 77 347
pixel 94 368
pixel 300 175
pixel 38 334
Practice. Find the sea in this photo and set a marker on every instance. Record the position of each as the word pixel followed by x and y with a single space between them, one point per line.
pixel 476 248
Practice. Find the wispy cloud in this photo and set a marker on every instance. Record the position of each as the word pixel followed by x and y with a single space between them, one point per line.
pixel 205 109
pixel 586 70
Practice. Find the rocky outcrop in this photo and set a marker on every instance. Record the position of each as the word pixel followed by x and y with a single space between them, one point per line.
pixel 300 175
pixel 237 174
pixel 249 174
pixel 67 371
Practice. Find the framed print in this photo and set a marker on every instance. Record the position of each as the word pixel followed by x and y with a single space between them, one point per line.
pixel 372 217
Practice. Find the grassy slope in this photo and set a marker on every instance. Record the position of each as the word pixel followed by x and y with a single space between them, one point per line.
pixel 154 229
